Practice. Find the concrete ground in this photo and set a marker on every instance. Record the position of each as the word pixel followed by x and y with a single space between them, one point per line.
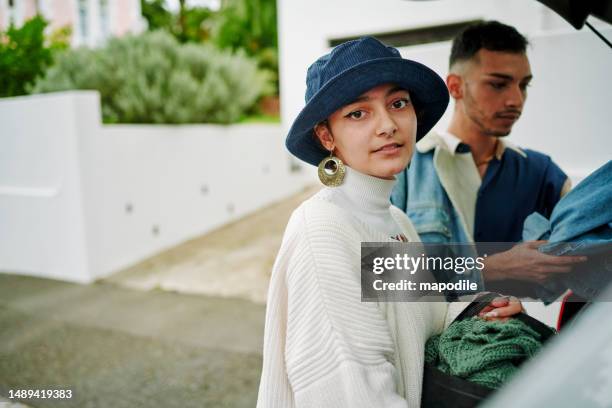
pixel 116 347
pixel 181 329
pixel 233 261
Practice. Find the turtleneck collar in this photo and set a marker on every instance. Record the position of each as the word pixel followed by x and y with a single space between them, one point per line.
pixel 367 192
pixel 367 199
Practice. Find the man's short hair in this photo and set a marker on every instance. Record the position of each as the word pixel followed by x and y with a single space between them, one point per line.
pixel 490 35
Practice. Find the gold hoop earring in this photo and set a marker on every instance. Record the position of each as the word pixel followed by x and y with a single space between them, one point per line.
pixel 331 170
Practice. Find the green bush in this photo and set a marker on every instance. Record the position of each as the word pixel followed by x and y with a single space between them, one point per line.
pixel 24 55
pixel 248 25
pixel 151 78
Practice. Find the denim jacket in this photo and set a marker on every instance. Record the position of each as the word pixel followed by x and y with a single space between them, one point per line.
pixel 429 195
pixel 580 224
pixel 434 196
pixel 445 207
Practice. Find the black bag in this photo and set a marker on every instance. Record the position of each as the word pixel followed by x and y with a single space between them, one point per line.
pixel 441 390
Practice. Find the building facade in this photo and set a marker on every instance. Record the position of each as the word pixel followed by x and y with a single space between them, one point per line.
pixel 92 21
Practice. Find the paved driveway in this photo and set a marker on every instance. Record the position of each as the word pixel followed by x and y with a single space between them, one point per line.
pixel 181 329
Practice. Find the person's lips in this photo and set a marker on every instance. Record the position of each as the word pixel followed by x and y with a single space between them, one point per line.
pixel 389 148
pixel 509 115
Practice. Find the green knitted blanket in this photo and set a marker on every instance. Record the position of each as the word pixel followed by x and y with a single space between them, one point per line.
pixel 481 351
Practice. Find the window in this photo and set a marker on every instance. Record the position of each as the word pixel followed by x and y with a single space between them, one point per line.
pixel 104 20
pixel 14 13
pixel 83 22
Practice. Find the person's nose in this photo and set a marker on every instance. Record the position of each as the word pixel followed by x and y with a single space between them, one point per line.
pixel 386 125
pixel 516 97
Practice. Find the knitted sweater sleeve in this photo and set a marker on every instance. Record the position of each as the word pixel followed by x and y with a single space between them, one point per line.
pixel 337 349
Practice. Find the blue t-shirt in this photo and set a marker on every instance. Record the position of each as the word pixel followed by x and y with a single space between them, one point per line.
pixel 511 189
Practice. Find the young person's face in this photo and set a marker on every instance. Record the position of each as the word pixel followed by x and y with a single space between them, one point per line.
pixel 375 134
pixel 493 90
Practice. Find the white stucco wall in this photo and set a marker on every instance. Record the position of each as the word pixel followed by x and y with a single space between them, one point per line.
pixel 80 200
pixel 567 111
pixel 41 215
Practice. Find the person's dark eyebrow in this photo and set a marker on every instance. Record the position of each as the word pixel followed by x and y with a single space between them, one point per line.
pixel 508 77
pixel 501 76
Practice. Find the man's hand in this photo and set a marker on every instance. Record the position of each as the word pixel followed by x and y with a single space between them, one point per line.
pixel 525 262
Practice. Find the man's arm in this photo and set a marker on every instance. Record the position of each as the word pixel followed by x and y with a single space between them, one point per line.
pixel 524 262
pixel 555 185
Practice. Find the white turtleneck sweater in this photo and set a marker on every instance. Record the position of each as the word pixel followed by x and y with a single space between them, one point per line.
pixel 323 346
pixel 367 199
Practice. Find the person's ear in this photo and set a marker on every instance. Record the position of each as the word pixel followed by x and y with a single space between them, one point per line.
pixel 454 83
pixel 324 135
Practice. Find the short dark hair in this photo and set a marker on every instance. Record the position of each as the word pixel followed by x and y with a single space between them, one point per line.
pixel 490 35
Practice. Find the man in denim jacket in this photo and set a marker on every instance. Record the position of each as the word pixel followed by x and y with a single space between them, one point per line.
pixel 474 186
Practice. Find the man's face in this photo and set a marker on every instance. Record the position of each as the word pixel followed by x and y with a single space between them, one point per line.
pixel 494 90
pixel 375 134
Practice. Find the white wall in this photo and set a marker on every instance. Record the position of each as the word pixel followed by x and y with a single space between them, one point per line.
pixel 567 111
pixel 305 28
pixel 41 217
pixel 79 200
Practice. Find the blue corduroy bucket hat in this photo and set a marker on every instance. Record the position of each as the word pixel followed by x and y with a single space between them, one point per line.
pixel 355 67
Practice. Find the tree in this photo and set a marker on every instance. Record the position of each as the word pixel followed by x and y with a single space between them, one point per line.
pixel 250 25
pixel 25 55
pixel 156 14
pixel 187 26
